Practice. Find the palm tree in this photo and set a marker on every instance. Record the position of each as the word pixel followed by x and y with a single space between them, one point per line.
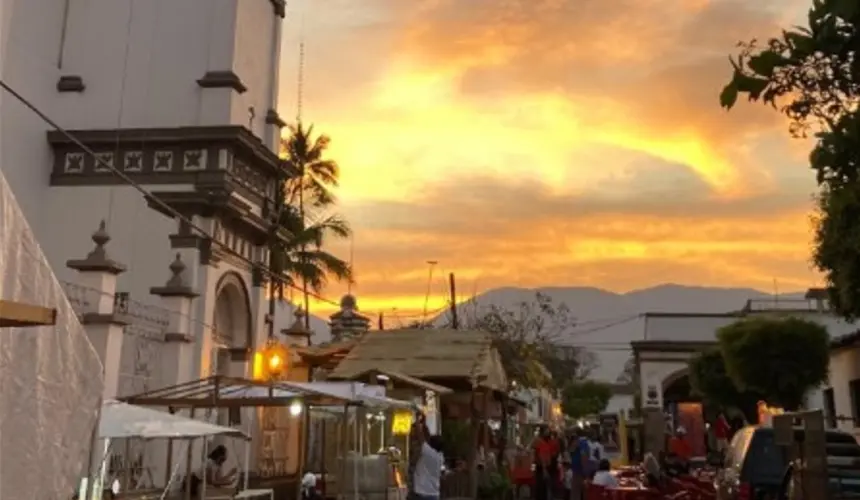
pixel 314 176
pixel 307 187
pixel 301 257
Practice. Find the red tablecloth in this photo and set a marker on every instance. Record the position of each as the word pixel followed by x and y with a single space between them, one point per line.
pixel 622 493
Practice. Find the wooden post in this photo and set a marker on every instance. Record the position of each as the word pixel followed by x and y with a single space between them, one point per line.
pixel 455 321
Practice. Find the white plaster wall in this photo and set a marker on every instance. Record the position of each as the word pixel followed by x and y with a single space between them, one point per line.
pixel 139 235
pixel 619 402
pixel 704 328
pixel 169 45
pixel 655 368
pixel 684 328
pixel 844 367
pixel 257 48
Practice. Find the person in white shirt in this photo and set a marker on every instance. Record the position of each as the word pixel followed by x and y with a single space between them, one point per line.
pixel 603 476
pixel 426 477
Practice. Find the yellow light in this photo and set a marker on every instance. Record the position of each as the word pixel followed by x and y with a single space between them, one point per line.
pixel 259 373
pixel 401 424
pixel 275 362
pixel 270 362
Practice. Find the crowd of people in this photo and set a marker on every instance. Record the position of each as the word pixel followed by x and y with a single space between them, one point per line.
pixel 564 462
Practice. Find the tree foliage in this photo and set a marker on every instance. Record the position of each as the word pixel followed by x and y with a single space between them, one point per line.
pixel 628 372
pixel 530 341
pixel 313 175
pixel 780 358
pixel 812 75
pixel 581 398
pixel 710 381
pixel 297 244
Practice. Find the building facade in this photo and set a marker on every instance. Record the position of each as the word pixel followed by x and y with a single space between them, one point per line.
pixel 180 97
pixel 671 339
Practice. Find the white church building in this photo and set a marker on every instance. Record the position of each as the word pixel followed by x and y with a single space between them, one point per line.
pixel 180 96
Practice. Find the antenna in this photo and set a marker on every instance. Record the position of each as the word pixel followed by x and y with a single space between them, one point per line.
pixel 301 72
pixel 431 264
pixel 352 264
pixel 775 294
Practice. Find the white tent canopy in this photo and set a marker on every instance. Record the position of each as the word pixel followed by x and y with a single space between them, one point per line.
pixel 121 420
pixel 354 392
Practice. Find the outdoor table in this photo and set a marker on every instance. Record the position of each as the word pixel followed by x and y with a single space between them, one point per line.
pixel 256 493
pixel 632 493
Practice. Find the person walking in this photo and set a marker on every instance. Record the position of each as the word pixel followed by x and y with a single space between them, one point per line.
pixel 580 453
pixel 427 475
pixel 544 448
pixel 722 430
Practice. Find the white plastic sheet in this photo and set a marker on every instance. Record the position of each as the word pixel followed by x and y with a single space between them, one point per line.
pixel 50 377
pixel 121 420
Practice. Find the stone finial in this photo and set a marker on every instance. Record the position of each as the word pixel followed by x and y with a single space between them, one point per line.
pixel 97 260
pixel 298 327
pixel 176 286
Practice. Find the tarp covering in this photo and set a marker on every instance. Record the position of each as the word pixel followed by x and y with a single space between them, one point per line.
pixel 121 420
pixel 50 377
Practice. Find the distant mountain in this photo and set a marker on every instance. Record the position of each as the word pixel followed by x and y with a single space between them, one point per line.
pixel 608 321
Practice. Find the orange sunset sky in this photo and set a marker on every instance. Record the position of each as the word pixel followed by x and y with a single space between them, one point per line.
pixel 550 142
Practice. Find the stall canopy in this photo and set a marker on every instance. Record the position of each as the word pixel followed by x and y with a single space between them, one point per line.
pixel 121 420
pixel 225 392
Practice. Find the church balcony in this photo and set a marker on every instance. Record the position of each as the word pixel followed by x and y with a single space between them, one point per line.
pixel 219 159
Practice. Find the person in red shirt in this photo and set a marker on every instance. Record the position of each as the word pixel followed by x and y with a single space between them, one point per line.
pixel 680 452
pixel 722 430
pixel 546 450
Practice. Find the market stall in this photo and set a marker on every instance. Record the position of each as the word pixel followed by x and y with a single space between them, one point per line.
pixel 124 421
pixel 277 468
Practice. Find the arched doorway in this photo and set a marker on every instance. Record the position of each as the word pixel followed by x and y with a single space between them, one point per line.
pixel 685 409
pixel 231 326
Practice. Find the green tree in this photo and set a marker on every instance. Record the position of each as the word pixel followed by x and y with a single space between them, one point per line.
pixel 780 358
pixel 529 339
pixel 710 381
pixel 628 372
pixel 584 397
pixel 811 74
pixel 307 197
pixel 313 175
pixel 300 257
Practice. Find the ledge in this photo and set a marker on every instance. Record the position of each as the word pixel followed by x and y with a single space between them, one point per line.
pixel 71 83
pixel 273 118
pixel 280 7
pixel 222 80
pixel 174 291
pixel 178 337
pixel 105 319
pixel 16 314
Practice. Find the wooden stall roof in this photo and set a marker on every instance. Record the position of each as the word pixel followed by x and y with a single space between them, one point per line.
pixel 427 354
pixel 16 314
pixel 406 379
pixel 224 392
pixel 326 355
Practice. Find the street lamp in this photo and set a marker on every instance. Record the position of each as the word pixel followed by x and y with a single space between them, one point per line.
pixel 270 363
pixel 296 408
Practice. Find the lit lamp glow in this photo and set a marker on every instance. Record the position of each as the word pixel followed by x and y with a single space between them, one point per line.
pixel 401 425
pixel 271 361
pixel 296 408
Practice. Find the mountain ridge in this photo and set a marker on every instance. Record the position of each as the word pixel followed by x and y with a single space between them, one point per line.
pixel 595 306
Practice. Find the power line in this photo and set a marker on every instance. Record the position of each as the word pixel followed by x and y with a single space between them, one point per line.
pixel 149 196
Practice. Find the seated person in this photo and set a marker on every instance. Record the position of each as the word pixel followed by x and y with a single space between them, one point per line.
pixel 653 471
pixel 603 476
pixel 674 466
pixel 214 475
